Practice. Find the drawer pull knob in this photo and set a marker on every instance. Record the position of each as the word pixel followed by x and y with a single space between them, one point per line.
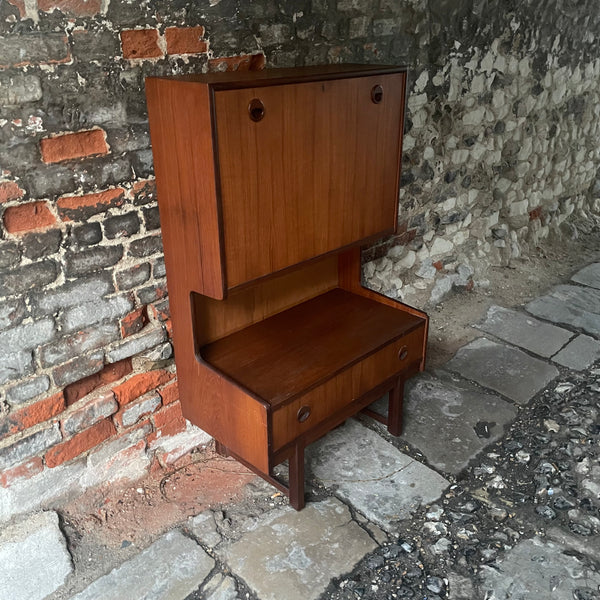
pixel 403 352
pixel 376 94
pixel 256 109
pixel 303 413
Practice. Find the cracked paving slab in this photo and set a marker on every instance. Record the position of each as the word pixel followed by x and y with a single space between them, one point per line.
pixel 465 419
pixel 539 570
pixel 294 555
pixel 505 370
pixel 381 482
pixel 571 305
pixel 589 276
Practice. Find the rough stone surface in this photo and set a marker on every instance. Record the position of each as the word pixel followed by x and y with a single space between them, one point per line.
pixel 170 569
pixel 377 479
pixel 34 560
pixel 221 587
pixel 579 354
pixel 28 389
pixel 465 418
pixel 589 276
pixel 286 550
pixel 204 528
pixel 538 570
pixel 524 331
pixel 572 305
pixel 503 369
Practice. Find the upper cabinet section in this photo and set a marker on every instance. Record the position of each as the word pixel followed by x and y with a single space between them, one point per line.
pixel 257 172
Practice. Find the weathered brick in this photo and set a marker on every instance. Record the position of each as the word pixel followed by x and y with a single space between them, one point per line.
pixel 12 312
pixel 169 393
pixel 50 180
pixel 91 45
pixel 10 254
pixel 142 162
pixel 20 5
pixel 28 277
pixel 159 353
pixel 31 415
pixel 72 8
pixel 15 365
pixel 90 411
pixel 33 48
pixel 23 471
pixel 158 269
pixel 28 389
pixel 18 89
pixel 134 345
pixel 185 40
pixel 151 218
pixel 72 294
pixel 31 445
pixel 244 62
pixel 74 345
pixel 25 217
pixel 134 322
pixel 81 208
pixel 26 336
pixel 153 293
pixel 109 374
pixel 140 384
pixel 87 234
pixel 131 413
pixel 167 421
pixel 132 277
pixel 78 368
pixel 90 313
pixel 145 246
pixel 90 260
pixel 144 192
pixel 133 137
pixel 69 146
pixel 10 190
pixel 160 310
pixel 140 44
pixel 121 225
pixel 39 244
pixel 79 444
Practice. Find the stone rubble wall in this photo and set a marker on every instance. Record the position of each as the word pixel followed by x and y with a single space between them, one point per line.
pixel 500 152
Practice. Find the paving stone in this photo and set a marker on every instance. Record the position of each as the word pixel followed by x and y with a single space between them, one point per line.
pixel 589 276
pixel 572 305
pixel 589 546
pixel 579 354
pixel 284 554
pixel 220 587
pixel 465 418
pixel 204 528
pixel 538 570
pixel 376 478
pixel 503 369
pixel 170 569
pixel 34 561
pixel 525 331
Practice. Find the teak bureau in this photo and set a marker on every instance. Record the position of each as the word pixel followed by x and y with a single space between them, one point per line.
pixel 268 184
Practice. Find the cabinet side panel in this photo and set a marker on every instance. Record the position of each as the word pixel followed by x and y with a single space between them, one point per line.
pixel 182 145
pixel 319 172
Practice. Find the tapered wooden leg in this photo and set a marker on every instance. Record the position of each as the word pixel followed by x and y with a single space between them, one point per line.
pixel 296 475
pixel 395 408
pixel 221 449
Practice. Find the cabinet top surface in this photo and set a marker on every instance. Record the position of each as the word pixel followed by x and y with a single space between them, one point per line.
pixel 237 79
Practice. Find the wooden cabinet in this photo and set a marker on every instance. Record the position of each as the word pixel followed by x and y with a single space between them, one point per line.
pixel 268 184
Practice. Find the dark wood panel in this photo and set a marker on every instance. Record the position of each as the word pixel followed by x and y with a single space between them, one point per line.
pixel 289 353
pixel 319 172
pixel 182 145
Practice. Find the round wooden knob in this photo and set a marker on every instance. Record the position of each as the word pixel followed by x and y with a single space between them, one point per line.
pixel 376 94
pixel 303 413
pixel 403 352
pixel 256 109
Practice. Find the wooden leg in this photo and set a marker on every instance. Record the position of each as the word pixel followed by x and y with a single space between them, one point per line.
pixel 395 408
pixel 221 449
pixel 296 487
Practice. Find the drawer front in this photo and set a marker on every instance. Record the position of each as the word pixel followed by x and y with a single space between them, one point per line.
pixel 306 412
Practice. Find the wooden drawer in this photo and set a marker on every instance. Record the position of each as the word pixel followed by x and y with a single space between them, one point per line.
pixel 310 409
